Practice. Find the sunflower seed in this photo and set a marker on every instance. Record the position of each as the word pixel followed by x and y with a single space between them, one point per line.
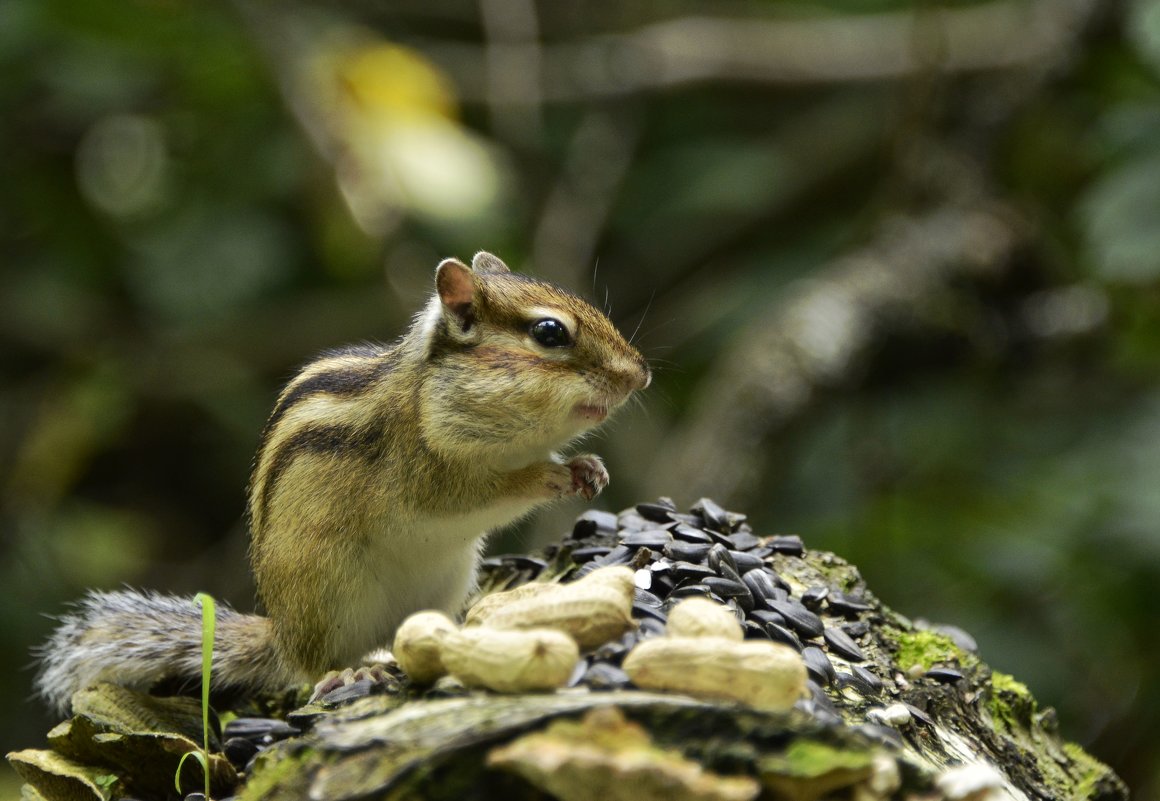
pixel 603 676
pixel 657 512
pixel 258 728
pixel 744 541
pixel 746 561
pixel 592 521
pixel 714 516
pixel 686 551
pixel 721 560
pixel 689 570
pixel 726 588
pixel 870 679
pixel 654 538
pixel 857 629
pixel 814 596
pixel 781 634
pixel 944 675
pixel 799 618
pixel 764 616
pixel 849 605
pixel 818 665
pixel 788 544
pixel 689 534
pixel 582 555
pixel 239 751
pixel 841 644
pixel 755 631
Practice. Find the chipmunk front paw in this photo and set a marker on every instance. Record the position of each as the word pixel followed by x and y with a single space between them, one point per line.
pixel 588 475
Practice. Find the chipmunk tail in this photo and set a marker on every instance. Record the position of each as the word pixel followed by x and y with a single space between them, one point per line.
pixel 141 640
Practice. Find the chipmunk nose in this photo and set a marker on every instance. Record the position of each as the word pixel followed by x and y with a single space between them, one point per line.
pixel 635 374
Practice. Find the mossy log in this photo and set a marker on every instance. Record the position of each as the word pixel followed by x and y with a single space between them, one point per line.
pixel 910 714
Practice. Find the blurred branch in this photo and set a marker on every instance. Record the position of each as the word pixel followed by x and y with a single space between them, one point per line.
pixel 998 35
pixel 513 68
pixel 822 333
pixel 576 210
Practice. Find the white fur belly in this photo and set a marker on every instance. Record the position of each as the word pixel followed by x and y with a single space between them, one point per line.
pixel 431 565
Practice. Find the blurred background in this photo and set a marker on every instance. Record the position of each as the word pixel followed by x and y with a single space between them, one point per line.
pixel 896 263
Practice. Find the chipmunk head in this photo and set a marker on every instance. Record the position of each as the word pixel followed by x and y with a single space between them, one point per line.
pixel 525 365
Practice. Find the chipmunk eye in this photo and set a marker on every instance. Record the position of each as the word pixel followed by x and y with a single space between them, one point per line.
pixel 551 333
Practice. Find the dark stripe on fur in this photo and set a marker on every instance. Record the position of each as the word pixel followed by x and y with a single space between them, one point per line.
pixel 343 381
pixel 334 440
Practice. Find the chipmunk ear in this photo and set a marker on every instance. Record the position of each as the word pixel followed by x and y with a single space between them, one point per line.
pixel 456 287
pixel 484 262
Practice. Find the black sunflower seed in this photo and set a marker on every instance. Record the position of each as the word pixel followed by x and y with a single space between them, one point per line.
pixel 814 596
pixel 818 665
pixel 689 534
pixel 620 555
pixel 746 561
pixel 944 675
pixel 239 751
pixel 761 585
pixel 649 627
pixel 727 588
pixel 869 678
pixel 764 616
pixel 744 540
pixel 841 643
pixel 857 629
pixel 350 692
pixel 714 516
pixel 603 676
pixel 647 598
pixel 722 562
pixel 578 673
pixel 691 591
pixel 582 555
pixel 843 604
pixel 782 634
pixel 654 538
pixel 960 637
pixel 788 544
pixel 258 728
pixel 629 520
pixel 686 551
pixel 690 570
pixel 755 631
pixel 657 512
pixel 641 610
pixel 594 520
pixel 799 618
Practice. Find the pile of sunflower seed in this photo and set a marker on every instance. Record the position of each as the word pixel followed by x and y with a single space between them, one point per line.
pixel 769 583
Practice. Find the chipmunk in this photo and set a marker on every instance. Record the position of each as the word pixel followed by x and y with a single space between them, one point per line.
pixel 378 475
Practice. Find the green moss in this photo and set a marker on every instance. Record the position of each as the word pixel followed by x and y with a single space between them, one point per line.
pixel 1092 778
pixel 1006 683
pixel 926 649
pixel 1010 703
pixel 272 770
pixel 807 759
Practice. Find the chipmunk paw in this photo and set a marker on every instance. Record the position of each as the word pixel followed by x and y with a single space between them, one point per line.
pixel 338 679
pixel 589 476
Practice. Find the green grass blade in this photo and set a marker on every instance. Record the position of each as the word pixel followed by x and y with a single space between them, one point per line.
pixel 208 619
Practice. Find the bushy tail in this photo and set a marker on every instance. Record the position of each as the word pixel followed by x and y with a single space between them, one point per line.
pixel 142 639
